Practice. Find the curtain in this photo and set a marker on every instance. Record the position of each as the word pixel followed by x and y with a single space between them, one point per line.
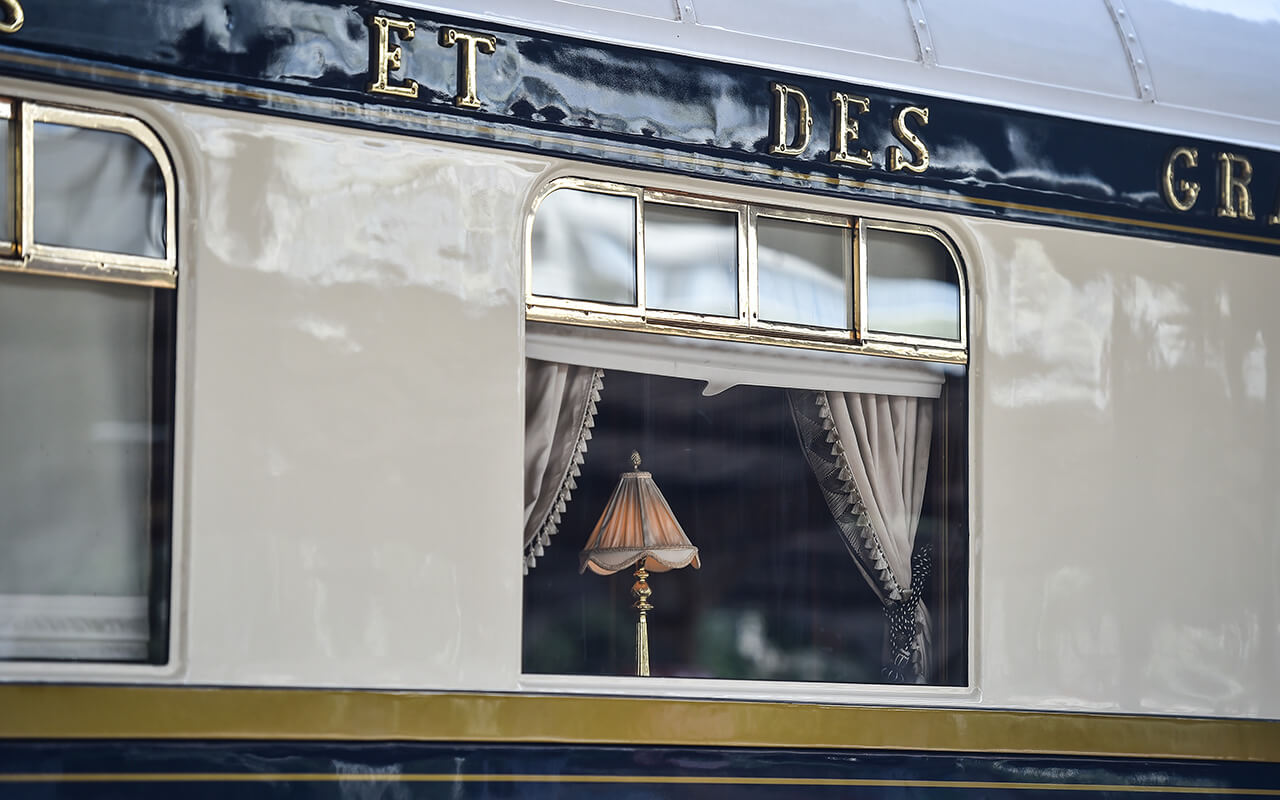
pixel 75 482
pixel 870 455
pixel 560 409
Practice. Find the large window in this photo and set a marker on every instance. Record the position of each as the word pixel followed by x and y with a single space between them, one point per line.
pixel 87 277
pixel 793 384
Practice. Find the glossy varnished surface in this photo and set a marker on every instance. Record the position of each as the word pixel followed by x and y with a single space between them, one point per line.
pixel 200 767
pixel 1128 458
pixel 597 101
pixel 350 478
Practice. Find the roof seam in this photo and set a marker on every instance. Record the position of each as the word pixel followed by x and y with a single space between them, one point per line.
pixel 924 37
pixel 1138 68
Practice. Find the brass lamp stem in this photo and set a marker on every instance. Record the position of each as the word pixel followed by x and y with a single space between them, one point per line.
pixel 642 593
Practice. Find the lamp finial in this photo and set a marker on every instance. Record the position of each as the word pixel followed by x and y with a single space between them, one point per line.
pixel 635 459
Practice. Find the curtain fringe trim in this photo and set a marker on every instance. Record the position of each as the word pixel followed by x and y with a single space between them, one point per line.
pixel 569 482
pixel 870 540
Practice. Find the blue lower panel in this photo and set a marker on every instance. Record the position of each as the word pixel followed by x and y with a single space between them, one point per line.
pixel 251 770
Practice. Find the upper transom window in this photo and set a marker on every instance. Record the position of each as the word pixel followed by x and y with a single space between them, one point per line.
pixel 92 196
pixel 622 256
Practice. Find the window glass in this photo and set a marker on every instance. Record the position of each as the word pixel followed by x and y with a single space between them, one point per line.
pixel 97 190
pixel 584 247
pixel 691 259
pixel 912 285
pixel 804 273
pixel 8 189
pixel 78 500
pixel 778 595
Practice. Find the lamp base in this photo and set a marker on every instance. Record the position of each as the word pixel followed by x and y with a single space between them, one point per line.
pixel 642 593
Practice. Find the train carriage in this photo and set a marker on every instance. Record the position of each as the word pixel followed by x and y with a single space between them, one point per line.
pixel 657 398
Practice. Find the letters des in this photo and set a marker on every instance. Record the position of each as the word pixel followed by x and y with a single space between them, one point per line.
pixel 790 102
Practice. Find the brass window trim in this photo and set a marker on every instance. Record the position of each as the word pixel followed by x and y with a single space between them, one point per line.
pixel 911 228
pixel 28 256
pixel 747 327
pixel 809 218
pixel 683 200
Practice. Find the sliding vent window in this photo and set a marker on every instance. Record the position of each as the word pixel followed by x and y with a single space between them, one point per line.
pixel 691 259
pixel 87 304
pixel 609 255
pixel 584 247
pixel 97 190
pixel 913 285
pixel 805 272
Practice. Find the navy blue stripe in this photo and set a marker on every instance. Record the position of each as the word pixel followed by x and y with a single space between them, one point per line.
pixel 539 92
pixel 719 767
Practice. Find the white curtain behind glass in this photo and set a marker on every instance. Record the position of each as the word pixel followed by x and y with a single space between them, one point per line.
pixel 560 409
pixel 870 454
pixel 75 433
pixel 97 190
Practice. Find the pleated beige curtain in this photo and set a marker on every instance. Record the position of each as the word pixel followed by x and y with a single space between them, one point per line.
pixel 870 454
pixel 560 409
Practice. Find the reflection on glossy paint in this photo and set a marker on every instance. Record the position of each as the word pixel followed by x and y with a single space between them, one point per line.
pixel 971 165
pixel 1162 312
pixel 438 223
pixel 1189 667
pixel 1196 331
pixel 1034 310
pixel 1254 369
pixel 1076 631
pixel 584 247
pixel 1247 10
pixel 327 331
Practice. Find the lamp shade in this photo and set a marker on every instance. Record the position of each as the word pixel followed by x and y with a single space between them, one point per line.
pixel 637 526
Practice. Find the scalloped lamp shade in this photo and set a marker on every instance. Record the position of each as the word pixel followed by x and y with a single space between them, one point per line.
pixel 637 527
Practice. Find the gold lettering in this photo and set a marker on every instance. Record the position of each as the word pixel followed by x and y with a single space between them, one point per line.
pixel 1182 196
pixel 844 130
pixel 784 145
pixel 919 152
pixel 387 58
pixel 1274 219
pixel 12 23
pixel 466 96
pixel 1233 186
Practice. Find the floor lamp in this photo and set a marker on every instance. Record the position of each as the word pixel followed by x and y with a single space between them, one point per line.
pixel 637 527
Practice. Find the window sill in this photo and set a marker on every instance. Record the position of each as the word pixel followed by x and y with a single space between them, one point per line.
pixel 749 690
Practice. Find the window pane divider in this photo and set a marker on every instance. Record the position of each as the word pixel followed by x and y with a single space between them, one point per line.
pixel 642 292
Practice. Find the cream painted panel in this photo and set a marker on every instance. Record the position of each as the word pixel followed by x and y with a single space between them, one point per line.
pixel 1126 462
pixel 355 387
